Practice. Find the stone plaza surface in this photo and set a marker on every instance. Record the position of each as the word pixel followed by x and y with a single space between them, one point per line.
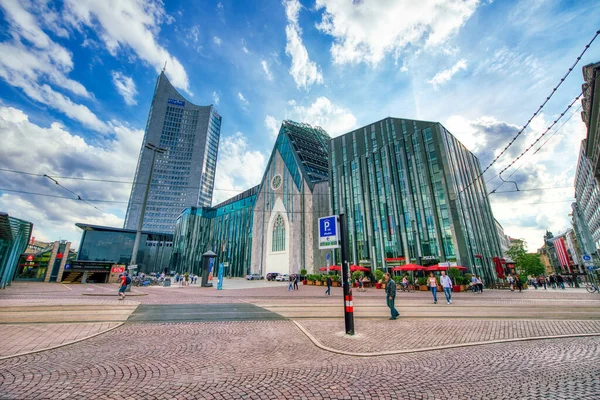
pixel 247 348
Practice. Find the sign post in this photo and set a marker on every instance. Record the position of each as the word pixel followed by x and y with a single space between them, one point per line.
pixel 332 236
pixel 220 277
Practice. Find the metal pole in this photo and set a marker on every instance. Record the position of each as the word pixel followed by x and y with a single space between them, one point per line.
pixel 138 234
pixel 348 307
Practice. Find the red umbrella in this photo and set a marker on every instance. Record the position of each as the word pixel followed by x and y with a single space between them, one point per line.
pixel 332 268
pixel 354 268
pixel 409 267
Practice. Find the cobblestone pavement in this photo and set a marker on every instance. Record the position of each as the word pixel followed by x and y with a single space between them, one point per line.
pixel 274 360
pixel 25 338
pixel 410 334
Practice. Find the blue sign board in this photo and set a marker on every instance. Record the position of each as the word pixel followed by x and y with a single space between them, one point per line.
pixel 329 232
pixel 586 257
pixel 177 102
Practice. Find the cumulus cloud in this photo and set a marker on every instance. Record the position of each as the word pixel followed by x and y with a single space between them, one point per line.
pixel 242 99
pixel 217 40
pixel 304 71
pixel 238 167
pixel 216 98
pixel 334 119
pixel 527 213
pixel 265 67
pixel 132 25
pixel 36 64
pixel 366 31
pixel 446 75
pixel 272 125
pixel 126 87
pixel 43 150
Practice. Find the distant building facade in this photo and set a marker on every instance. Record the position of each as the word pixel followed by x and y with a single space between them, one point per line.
pixel 590 115
pixel 184 175
pixel 406 189
pixel 15 234
pixel 586 209
pixel 504 239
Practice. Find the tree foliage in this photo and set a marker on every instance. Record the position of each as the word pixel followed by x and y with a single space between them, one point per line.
pixel 530 264
pixel 516 251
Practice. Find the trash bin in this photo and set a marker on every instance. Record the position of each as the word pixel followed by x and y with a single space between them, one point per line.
pixel 167 282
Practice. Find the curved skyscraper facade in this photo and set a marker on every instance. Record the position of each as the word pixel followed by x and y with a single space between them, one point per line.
pixel 184 175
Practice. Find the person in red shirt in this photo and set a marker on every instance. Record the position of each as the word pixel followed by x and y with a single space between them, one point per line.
pixel 123 286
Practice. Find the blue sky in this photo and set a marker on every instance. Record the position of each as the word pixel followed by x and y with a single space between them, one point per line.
pixel 76 80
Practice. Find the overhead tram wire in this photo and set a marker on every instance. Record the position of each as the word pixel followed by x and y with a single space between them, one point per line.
pixel 534 114
pixel 72 192
pixel 535 152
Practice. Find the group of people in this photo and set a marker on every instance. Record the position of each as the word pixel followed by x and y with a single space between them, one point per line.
pixel 186 279
pixel 555 281
pixel 293 283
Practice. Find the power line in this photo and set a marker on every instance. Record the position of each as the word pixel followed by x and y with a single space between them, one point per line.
pixel 535 113
pixel 535 152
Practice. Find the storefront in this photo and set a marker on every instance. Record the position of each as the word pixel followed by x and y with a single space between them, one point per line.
pixel 80 271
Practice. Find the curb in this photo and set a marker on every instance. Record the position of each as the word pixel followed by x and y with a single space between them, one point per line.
pixel 62 344
pixel 426 349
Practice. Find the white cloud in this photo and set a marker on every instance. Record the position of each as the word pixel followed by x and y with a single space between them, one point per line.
pixel 129 24
pixel 215 97
pixel 272 125
pixel 242 99
pixel 126 87
pixel 32 62
pixel 305 72
pixel 366 31
pixel 265 67
pixel 238 167
pixel 244 48
pixel 217 40
pixel 526 213
pixel 30 147
pixel 334 119
pixel 446 75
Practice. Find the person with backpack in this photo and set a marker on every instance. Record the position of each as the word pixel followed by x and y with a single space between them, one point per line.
pixel 328 291
pixel 125 280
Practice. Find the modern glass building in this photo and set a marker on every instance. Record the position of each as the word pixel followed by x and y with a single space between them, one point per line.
pixel 406 189
pixel 14 236
pixel 225 229
pixel 590 114
pixel 184 175
pixel 114 246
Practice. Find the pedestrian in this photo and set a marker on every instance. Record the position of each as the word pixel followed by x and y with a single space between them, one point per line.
pixel 290 284
pixel 432 283
pixel 474 283
pixel 390 291
pixel 479 284
pixel 446 283
pixel 186 279
pixel 519 283
pixel 543 282
pixel 552 280
pixel 560 281
pixel 296 282
pixel 511 282
pixel 534 282
pixel 124 281
pixel 404 283
pixel 328 291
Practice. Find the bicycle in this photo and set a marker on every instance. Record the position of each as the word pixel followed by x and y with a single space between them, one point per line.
pixel 592 287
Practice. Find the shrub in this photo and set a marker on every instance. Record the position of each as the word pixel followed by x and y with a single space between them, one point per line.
pixel 422 281
pixel 356 275
pixel 303 272
pixel 397 279
pixel 378 274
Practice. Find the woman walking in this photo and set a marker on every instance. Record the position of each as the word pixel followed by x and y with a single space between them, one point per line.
pixel 432 283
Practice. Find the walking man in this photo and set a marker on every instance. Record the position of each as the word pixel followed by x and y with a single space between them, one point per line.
pixel 124 280
pixel 446 283
pixel 295 281
pixel 328 291
pixel 390 292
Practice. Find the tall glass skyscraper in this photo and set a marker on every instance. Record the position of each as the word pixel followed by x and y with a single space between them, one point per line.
pixel 183 176
pixel 406 189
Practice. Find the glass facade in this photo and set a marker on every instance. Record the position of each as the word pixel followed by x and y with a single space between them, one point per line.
pixel 115 245
pixel 14 236
pixel 226 229
pixel 587 207
pixel 403 186
pixel 184 175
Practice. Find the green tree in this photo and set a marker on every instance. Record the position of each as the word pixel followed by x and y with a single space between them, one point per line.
pixel 530 264
pixel 517 251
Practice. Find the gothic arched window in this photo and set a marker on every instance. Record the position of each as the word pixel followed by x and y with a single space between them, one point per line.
pixel 279 234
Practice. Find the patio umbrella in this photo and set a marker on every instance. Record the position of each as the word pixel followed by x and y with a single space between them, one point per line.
pixel 354 268
pixel 332 268
pixel 409 267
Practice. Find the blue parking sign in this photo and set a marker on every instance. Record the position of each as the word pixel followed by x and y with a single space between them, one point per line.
pixel 329 232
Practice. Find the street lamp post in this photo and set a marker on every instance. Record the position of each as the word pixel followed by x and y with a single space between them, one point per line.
pixel 138 234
